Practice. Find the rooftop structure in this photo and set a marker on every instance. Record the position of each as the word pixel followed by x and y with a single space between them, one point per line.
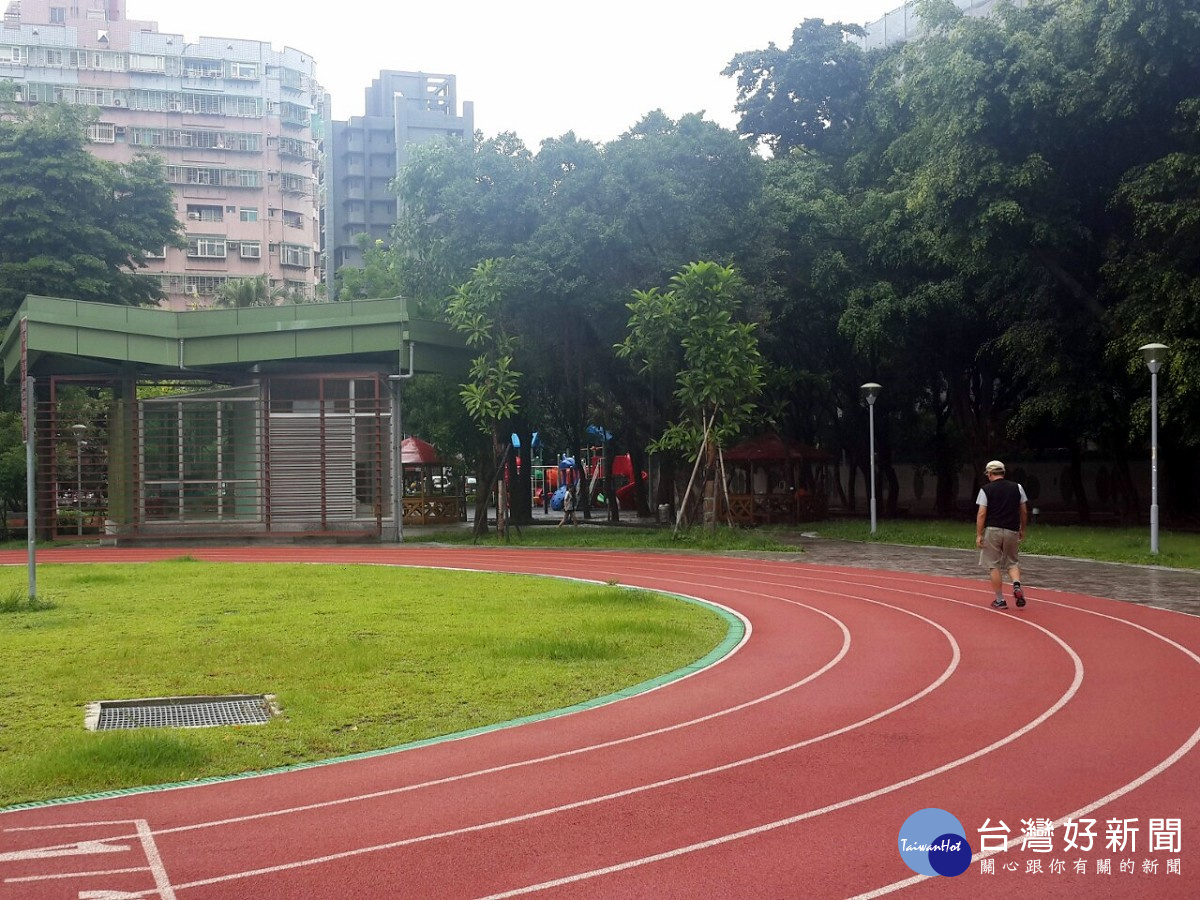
pixel 364 154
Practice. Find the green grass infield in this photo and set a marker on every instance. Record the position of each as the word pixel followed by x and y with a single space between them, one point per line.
pixel 360 658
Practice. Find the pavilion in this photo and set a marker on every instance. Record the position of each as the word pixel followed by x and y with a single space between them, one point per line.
pixel 156 424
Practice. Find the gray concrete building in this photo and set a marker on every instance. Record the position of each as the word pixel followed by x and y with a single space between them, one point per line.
pixel 363 155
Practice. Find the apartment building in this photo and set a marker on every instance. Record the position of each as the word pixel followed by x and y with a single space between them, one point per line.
pixel 237 122
pixel 363 155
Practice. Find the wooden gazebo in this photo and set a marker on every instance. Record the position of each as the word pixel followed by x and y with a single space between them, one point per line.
pixel 773 479
pixel 430 496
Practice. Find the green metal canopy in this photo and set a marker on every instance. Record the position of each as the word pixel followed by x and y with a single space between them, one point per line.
pixel 64 337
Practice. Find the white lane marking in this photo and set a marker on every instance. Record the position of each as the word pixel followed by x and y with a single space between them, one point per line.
pixel 165 891
pixel 144 835
pixel 79 848
pixel 1179 753
pixel 832 807
pixel 590 801
pixel 89 873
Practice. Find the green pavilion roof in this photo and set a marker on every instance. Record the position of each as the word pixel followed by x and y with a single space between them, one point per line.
pixel 71 337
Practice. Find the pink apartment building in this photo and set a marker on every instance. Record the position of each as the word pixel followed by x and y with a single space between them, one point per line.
pixel 236 121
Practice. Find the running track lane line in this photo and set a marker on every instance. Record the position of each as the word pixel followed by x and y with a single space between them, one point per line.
pixel 1179 753
pixel 537 814
pixel 952 666
pixel 1149 631
pixel 955 659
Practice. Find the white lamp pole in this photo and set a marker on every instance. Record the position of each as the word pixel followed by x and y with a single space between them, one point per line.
pixel 871 391
pixel 1153 354
pixel 79 432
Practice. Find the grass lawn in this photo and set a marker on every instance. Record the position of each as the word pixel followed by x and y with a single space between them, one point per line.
pixel 360 658
pixel 1177 549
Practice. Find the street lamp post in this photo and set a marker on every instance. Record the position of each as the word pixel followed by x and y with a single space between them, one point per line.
pixel 1153 354
pixel 79 432
pixel 871 391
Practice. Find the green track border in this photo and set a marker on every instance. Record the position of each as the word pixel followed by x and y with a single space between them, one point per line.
pixel 734 636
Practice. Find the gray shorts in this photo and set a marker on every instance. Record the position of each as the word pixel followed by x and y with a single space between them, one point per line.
pixel 1000 548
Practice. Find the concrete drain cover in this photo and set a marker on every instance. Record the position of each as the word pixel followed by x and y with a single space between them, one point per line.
pixel 181 712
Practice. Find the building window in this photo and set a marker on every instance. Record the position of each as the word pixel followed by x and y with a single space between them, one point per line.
pixel 293 219
pixel 243 70
pixel 251 250
pixel 293 184
pixel 160 253
pixel 295 255
pixel 108 61
pixel 58 15
pixel 212 175
pixel 144 62
pixel 203 68
pixel 248 214
pixel 102 133
pixel 247 107
pixel 206 247
pixel 204 285
pixel 295 148
pixel 203 103
pixel 198 213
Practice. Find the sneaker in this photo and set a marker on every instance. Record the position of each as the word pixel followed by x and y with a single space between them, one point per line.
pixel 1018 594
pixel 999 603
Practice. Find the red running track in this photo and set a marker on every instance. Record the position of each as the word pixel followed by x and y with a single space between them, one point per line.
pixel 784 771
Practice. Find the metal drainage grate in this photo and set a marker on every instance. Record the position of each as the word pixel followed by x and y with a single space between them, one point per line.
pixel 181 712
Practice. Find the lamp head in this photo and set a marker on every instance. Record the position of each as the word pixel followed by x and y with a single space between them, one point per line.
pixel 1153 354
pixel 78 430
pixel 871 391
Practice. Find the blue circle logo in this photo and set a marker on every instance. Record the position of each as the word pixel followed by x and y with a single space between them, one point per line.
pixel 933 842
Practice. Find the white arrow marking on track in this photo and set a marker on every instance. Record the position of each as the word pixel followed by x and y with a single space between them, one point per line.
pixel 82 848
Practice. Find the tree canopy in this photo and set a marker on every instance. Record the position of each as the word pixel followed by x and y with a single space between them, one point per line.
pixel 988 221
pixel 73 225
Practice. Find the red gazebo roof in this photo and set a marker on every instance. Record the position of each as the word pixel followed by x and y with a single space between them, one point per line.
pixel 772 448
pixel 416 452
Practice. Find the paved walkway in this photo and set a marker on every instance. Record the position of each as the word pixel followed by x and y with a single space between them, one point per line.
pixel 1177 589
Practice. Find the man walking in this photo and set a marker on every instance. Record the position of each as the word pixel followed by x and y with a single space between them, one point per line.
pixel 999 530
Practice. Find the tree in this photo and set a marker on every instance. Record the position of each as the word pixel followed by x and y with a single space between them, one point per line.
pixel 691 329
pixel 73 225
pixel 491 395
pixel 808 96
pixel 240 293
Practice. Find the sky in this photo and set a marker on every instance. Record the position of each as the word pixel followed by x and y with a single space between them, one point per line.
pixel 536 68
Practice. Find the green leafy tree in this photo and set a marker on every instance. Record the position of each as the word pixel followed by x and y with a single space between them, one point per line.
pixel 73 225
pixel 240 293
pixel 692 328
pixel 808 96
pixel 491 396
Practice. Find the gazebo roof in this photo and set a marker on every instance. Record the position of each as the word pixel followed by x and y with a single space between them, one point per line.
pixel 52 336
pixel 773 448
pixel 416 452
